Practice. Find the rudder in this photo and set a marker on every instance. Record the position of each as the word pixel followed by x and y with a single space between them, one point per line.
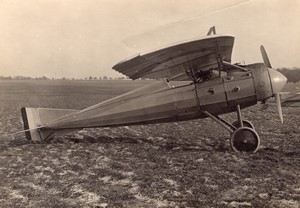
pixel 35 119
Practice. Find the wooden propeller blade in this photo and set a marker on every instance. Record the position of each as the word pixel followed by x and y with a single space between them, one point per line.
pixel 265 56
pixel 278 104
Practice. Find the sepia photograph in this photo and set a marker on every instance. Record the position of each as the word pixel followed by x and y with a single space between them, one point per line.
pixel 148 103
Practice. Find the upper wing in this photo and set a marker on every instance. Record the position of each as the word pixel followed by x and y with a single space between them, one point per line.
pixel 173 61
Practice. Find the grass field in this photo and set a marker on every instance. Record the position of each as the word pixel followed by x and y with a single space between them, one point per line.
pixel 186 164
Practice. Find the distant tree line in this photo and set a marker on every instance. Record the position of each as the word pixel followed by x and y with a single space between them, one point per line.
pixel 292 75
pixel 105 78
pixel 23 78
pixel 63 78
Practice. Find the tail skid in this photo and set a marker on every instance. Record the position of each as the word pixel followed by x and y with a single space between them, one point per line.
pixel 35 119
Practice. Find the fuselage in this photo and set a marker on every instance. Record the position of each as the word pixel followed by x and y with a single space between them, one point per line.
pixel 172 101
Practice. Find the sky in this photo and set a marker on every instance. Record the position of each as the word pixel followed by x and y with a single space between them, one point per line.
pixel 76 38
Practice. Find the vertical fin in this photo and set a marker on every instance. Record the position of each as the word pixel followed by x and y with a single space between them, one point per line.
pixel 35 119
pixel 25 123
pixel 31 121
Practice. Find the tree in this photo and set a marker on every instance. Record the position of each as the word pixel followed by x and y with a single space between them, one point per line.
pixel 292 75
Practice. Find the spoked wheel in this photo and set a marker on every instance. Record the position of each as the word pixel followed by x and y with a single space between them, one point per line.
pixel 246 123
pixel 244 139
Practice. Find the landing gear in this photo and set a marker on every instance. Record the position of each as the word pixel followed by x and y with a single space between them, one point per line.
pixel 246 123
pixel 243 137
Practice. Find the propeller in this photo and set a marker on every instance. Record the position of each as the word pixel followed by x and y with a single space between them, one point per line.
pixel 265 56
pixel 278 105
pixel 276 82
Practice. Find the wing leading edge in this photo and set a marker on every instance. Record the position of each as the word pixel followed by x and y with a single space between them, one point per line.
pixel 173 61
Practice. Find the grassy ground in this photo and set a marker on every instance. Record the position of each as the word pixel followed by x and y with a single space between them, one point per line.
pixel 186 164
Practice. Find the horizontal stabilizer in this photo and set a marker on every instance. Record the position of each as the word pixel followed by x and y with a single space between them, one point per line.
pixel 35 119
pixel 290 97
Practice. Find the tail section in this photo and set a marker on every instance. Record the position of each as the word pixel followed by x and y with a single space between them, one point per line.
pixel 35 122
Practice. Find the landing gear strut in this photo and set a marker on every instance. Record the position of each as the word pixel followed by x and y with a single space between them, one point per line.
pixel 246 123
pixel 243 137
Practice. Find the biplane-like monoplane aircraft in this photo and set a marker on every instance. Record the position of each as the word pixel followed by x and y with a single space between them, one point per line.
pixel 196 79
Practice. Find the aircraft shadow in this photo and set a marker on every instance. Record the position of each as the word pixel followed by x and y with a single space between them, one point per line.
pixel 171 144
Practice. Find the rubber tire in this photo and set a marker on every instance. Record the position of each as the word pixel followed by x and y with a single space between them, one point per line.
pixel 246 123
pixel 244 139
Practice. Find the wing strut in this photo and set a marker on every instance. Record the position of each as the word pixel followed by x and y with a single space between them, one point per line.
pixel 191 73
